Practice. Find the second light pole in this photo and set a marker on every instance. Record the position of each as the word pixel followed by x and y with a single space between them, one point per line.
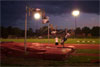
pixel 75 13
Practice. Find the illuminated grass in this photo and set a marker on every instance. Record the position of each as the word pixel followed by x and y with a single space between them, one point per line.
pixel 87 51
pixel 69 41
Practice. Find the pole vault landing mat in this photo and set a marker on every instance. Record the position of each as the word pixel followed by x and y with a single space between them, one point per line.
pixel 35 50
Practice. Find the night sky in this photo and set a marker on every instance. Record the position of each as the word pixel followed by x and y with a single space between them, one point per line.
pixel 59 12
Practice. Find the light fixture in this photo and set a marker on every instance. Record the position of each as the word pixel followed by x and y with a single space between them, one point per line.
pixel 75 12
pixel 37 15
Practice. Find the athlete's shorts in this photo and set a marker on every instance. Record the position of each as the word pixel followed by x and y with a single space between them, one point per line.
pixel 65 39
pixel 62 43
pixel 56 43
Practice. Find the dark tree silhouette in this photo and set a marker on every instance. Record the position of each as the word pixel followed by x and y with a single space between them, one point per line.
pixel 10 30
pixel 30 32
pixel 86 30
pixel 95 31
pixel 78 30
pixel 43 31
pixel 4 32
pixel 17 32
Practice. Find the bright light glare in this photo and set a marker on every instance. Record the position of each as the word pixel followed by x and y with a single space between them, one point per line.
pixel 75 13
pixel 37 16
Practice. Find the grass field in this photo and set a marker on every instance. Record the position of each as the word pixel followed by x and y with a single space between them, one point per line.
pixel 71 61
pixel 89 51
pixel 69 41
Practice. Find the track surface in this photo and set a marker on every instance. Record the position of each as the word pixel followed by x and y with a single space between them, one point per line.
pixel 39 45
pixel 81 46
pixel 35 50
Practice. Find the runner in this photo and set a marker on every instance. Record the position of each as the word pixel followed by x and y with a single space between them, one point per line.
pixel 65 38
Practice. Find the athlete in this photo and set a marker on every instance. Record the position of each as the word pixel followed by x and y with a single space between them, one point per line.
pixel 65 38
pixel 56 41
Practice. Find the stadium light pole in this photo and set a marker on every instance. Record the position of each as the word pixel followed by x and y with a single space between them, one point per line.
pixel 37 16
pixel 75 13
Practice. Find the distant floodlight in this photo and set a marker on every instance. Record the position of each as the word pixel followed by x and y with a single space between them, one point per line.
pixel 37 16
pixel 75 12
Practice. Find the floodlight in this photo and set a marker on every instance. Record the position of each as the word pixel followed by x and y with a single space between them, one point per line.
pixel 37 15
pixel 75 12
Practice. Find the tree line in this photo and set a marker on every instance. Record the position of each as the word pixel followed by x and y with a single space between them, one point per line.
pixel 86 31
pixel 14 32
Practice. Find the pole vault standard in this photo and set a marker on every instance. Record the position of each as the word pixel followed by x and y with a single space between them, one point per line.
pixel 48 33
pixel 25 30
pixel 37 15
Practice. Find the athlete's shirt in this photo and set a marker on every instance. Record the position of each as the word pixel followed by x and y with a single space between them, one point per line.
pixel 67 35
pixel 56 39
